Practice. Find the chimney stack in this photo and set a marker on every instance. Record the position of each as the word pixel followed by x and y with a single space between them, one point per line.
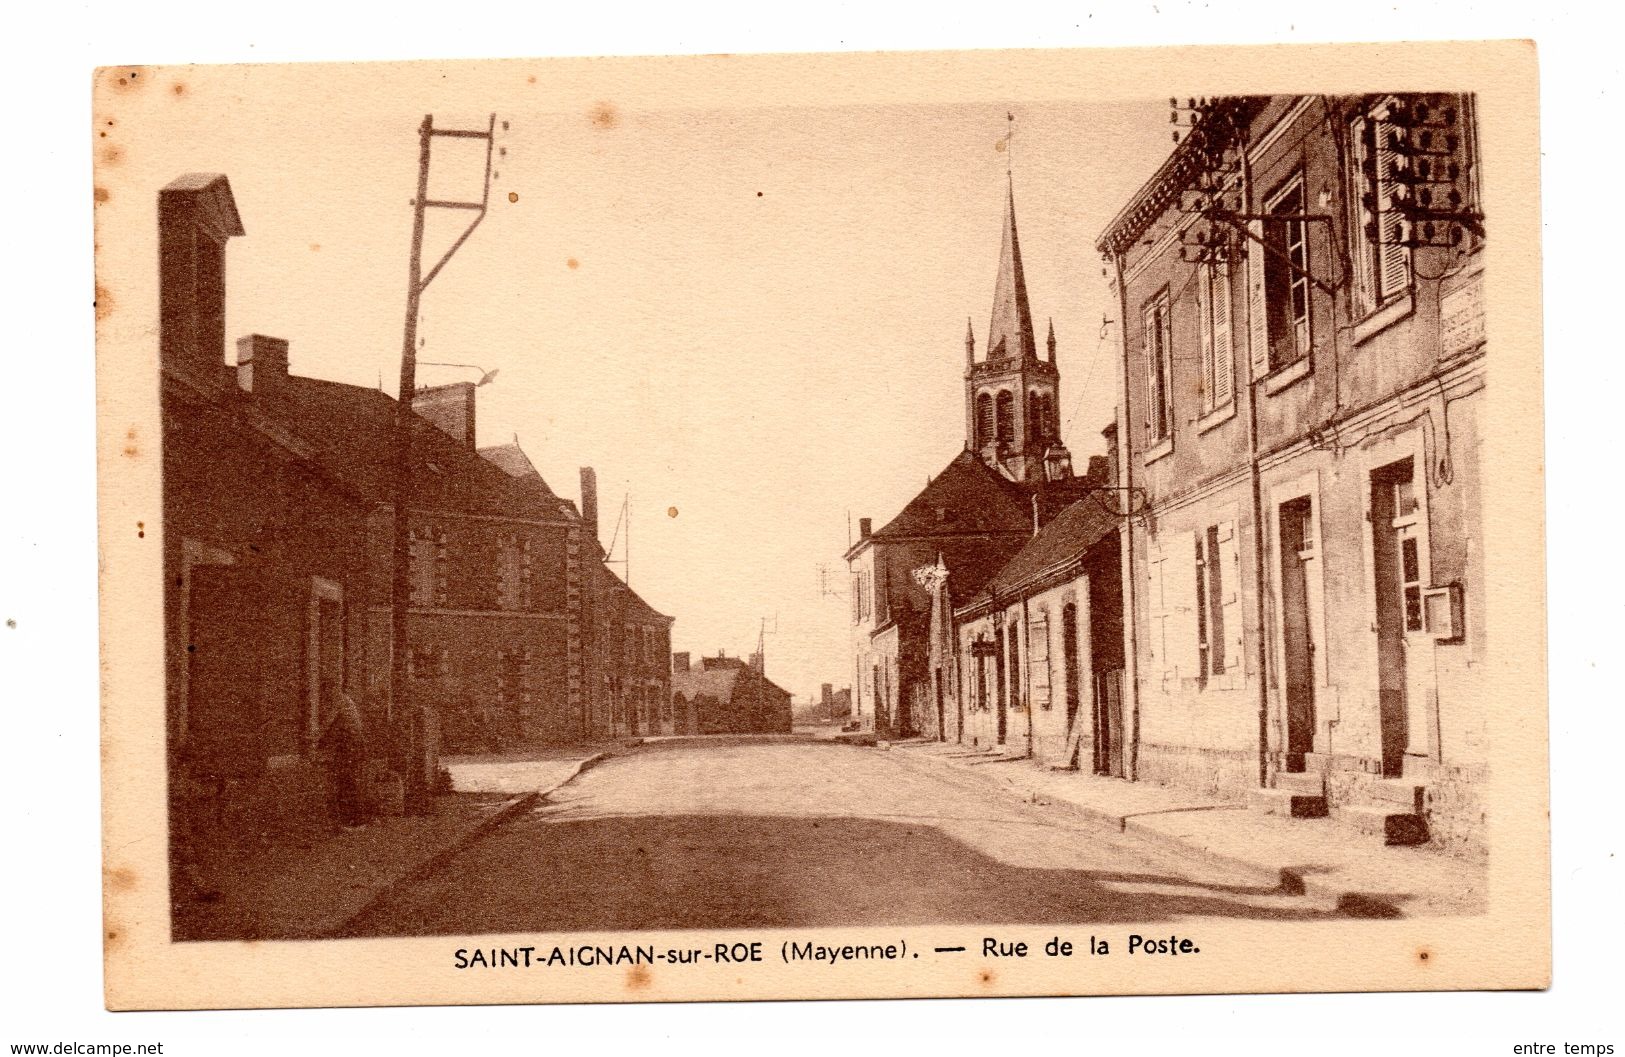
pixel 196 215
pixel 262 365
pixel 679 662
pixel 756 661
pixel 589 500
pixel 449 407
pixel 864 525
pixel 826 692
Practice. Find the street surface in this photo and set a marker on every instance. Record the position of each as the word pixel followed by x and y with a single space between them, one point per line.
pixel 731 833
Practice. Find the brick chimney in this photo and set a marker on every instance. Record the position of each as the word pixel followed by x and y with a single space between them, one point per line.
pixel 825 692
pixel 864 527
pixel 450 407
pixel 589 499
pixel 262 365
pixel 196 215
pixel 679 662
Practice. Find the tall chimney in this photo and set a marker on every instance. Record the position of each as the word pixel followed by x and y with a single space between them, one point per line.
pixel 589 499
pixel 864 525
pixel 196 215
pixel 450 407
pixel 262 365
pixel 679 662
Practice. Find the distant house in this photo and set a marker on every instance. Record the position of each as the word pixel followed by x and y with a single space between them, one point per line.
pixel 728 695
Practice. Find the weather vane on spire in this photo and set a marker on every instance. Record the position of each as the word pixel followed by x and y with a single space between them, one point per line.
pixel 1010 144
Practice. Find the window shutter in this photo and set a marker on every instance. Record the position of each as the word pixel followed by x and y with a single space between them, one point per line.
pixel 1204 321
pixel 1393 258
pixel 1224 366
pixel 1258 330
pixel 1235 661
pixel 1148 345
pixel 1156 611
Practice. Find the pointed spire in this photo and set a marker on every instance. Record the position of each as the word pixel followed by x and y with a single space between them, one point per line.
pixel 1051 340
pixel 970 343
pixel 1010 334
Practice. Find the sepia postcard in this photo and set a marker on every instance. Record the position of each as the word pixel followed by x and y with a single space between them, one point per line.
pixel 822 526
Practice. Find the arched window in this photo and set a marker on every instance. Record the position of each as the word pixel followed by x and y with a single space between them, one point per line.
pixel 1006 416
pixel 984 420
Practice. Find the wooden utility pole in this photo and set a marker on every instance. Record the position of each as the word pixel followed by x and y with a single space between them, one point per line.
pixel 410 714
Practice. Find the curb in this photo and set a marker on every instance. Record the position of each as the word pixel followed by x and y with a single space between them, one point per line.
pixel 1288 880
pixel 418 873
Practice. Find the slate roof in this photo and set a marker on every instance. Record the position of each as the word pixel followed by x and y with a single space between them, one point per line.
pixel 719 683
pixel 1068 535
pixel 968 496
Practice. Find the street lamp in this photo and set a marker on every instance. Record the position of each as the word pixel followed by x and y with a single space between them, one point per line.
pixel 486 377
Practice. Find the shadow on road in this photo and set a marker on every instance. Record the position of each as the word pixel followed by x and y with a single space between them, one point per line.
pixel 740 871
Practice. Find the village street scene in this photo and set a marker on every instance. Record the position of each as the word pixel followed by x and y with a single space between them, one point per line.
pixel 1153 594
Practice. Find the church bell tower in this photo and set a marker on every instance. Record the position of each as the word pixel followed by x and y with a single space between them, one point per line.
pixel 1012 415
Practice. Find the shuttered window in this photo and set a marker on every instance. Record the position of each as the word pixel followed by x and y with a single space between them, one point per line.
pixel 1218 359
pixel 1382 260
pixel 1158 346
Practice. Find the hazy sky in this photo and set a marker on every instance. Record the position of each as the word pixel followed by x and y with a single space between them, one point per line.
pixel 752 316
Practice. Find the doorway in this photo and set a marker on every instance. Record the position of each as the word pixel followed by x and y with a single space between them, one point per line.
pixel 1298 554
pixel 999 689
pixel 1397 553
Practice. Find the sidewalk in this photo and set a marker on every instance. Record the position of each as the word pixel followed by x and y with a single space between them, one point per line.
pixel 312 887
pixel 1319 857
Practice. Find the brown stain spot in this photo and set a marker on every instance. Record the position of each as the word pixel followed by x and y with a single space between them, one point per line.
pixel 639 978
pixel 102 195
pixel 103 302
pixel 531 79
pixel 315 247
pixel 112 154
pixel 671 511
pixel 513 196
pixel 1424 956
pixel 122 879
pixel 113 937
pixel 130 449
pixel 604 115
pixel 987 977
pixel 178 88
pixel 129 79
pixel 572 264
pixel 140 530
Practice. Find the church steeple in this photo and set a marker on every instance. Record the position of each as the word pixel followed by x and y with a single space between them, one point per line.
pixel 1010 334
pixel 1011 395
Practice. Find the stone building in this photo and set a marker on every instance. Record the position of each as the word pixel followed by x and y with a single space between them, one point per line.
pixel 1012 473
pixel 1302 365
pixel 728 695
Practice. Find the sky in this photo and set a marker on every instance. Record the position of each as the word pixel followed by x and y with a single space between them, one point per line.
pixel 748 318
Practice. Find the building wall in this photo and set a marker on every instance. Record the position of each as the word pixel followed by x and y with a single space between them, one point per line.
pixel 1382 383
pixel 255 516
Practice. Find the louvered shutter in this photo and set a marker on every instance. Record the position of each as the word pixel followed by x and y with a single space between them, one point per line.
pixel 1393 257
pixel 1224 365
pixel 1258 329
pixel 1204 320
pixel 1235 661
pixel 1148 346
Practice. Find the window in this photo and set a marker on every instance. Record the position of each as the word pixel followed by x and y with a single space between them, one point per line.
pixel 426 567
pixel 1382 260
pixel 513 573
pixel 984 420
pixel 1218 358
pixel 1159 410
pixel 1006 417
pixel 1286 276
pixel 1013 666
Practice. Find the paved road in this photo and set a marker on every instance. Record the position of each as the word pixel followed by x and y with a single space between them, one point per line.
pixel 714 834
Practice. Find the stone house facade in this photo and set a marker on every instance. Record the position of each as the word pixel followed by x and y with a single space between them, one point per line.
pixel 1303 358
